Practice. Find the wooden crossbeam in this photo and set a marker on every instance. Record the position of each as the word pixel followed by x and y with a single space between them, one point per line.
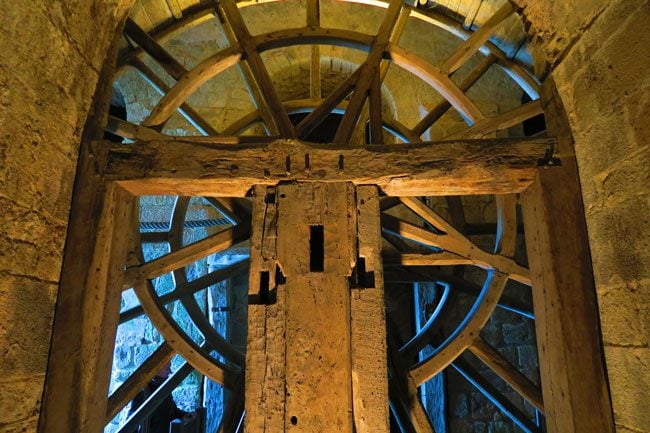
pixel 190 288
pixel 461 252
pixel 507 372
pixel 194 118
pixel 186 255
pixel 269 101
pixel 486 388
pixel 175 97
pixel 138 380
pixel 464 335
pixel 316 117
pixel 502 121
pixel 212 337
pixel 442 107
pixel 172 66
pixel 313 20
pixel 445 168
pixel 478 38
pixel 359 133
pixel 369 70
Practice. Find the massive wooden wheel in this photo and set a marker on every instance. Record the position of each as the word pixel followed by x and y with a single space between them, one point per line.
pixel 358 98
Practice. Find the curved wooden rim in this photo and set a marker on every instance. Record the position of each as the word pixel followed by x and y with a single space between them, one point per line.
pixel 174 336
pixel 198 357
pixel 214 339
pixel 296 106
pixel 228 57
pixel 433 17
pixel 466 332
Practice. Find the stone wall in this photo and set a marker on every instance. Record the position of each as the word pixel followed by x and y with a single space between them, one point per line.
pixel 599 60
pixel 52 55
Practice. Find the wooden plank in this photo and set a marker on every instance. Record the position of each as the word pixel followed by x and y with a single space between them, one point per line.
pixel 190 288
pixel 436 79
pixel 266 348
pixel 478 38
pixel 369 70
pixel 359 134
pixel 156 398
pixel 313 20
pixel 442 107
pixel 184 109
pixel 374 103
pixel 318 358
pixel 196 356
pixel 270 101
pixel 502 121
pixel 215 340
pixel 574 383
pixel 190 82
pixel 472 253
pixel 135 132
pixel 403 391
pixel 368 323
pixel 517 416
pixel 86 322
pixel 465 334
pixel 138 381
pixel 169 64
pixel 316 117
pixel 448 168
pixel 507 372
pixel 175 8
pixel 186 255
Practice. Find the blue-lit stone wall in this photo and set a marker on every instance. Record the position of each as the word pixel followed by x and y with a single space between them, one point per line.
pixel 137 339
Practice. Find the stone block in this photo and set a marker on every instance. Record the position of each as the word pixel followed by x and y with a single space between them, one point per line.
pixel 26 309
pixel 619 243
pixel 527 356
pixel 516 333
pixel 459 405
pixel 629 381
pixel 500 427
pixel 625 314
pixel 20 397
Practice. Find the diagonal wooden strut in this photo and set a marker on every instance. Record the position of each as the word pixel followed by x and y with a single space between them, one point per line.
pixel 369 70
pixel 269 101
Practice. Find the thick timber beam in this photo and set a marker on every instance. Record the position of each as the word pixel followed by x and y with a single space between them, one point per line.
pixel 77 383
pixel 574 384
pixel 316 289
pixel 217 169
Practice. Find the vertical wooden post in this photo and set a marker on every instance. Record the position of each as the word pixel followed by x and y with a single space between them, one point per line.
pixel 316 251
pixel 576 396
pixel 87 312
pixel 368 313
pixel 317 339
pixel 266 348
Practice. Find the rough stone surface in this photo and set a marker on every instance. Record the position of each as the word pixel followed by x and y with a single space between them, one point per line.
pixel 596 52
pixel 52 55
pixel 599 58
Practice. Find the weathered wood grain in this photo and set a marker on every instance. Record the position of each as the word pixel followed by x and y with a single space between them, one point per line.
pixel 464 335
pixel 368 323
pixel 318 359
pixel 466 167
pixel 507 372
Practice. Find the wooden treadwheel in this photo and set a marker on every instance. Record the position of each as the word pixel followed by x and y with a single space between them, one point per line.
pixel 358 98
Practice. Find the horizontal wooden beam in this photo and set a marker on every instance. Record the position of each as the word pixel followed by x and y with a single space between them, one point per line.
pixel 217 169
pixel 186 255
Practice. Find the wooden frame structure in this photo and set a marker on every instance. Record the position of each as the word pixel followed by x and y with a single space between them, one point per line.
pixel 228 165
